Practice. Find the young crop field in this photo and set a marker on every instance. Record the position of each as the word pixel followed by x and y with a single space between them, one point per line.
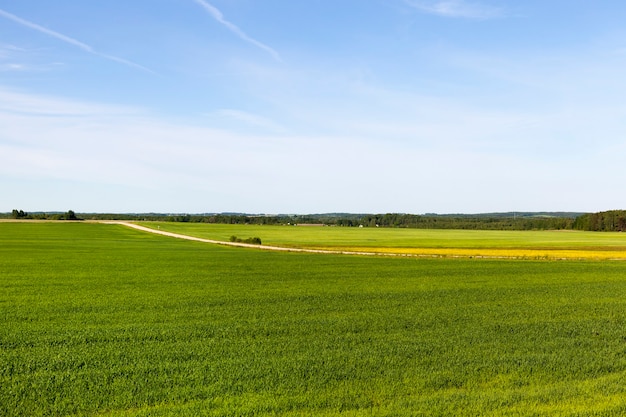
pixel 444 243
pixel 104 320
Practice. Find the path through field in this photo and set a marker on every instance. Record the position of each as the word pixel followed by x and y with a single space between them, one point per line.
pixel 417 252
pixel 246 245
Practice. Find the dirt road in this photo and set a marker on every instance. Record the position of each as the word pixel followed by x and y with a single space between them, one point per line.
pixel 243 245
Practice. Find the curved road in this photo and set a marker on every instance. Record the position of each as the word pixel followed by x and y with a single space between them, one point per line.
pixel 326 251
pixel 246 245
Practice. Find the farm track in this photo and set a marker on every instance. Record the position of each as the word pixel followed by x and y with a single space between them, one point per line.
pixel 249 245
pixel 541 255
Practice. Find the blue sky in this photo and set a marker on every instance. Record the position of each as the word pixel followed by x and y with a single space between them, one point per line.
pixel 271 106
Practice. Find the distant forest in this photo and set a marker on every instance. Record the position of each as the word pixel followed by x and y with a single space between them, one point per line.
pixel 612 221
pixel 605 221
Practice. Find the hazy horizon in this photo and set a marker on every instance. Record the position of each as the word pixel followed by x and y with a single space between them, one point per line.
pixel 280 213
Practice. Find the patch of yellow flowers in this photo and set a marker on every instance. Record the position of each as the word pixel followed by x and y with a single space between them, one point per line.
pixel 494 253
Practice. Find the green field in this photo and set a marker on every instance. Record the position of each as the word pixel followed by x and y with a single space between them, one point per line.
pixel 510 244
pixel 104 320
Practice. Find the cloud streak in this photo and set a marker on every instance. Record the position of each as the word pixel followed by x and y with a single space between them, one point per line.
pixel 71 41
pixel 217 15
pixel 49 142
pixel 456 9
pixel 250 119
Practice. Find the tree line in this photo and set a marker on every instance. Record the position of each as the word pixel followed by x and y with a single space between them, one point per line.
pixel 604 221
pixel 468 222
pixel 22 215
pixel 613 220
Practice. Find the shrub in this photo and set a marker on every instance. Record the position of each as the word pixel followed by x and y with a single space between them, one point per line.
pixel 250 240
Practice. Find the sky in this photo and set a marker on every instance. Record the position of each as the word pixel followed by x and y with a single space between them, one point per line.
pixel 273 106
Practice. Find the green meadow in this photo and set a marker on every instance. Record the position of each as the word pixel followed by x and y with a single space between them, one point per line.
pixel 104 320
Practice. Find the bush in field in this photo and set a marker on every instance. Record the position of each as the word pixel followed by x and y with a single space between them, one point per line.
pixel 250 240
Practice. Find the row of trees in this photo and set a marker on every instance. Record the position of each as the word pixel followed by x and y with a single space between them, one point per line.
pixel 609 221
pixel 469 222
pixel 19 214
pixel 22 215
pixel 605 221
pixel 495 221
pixel 614 220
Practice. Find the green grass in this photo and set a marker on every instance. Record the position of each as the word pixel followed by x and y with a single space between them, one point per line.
pixel 105 320
pixel 399 238
pixel 486 243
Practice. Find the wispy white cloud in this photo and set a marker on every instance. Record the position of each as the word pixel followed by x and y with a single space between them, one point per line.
pixel 71 41
pixel 7 54
pixel 15 102
pixel 15 59
pixel 250 119
pixel 7 50
pixel 55 143
pixel 457 9
pixel 13 67
pixel 217 15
